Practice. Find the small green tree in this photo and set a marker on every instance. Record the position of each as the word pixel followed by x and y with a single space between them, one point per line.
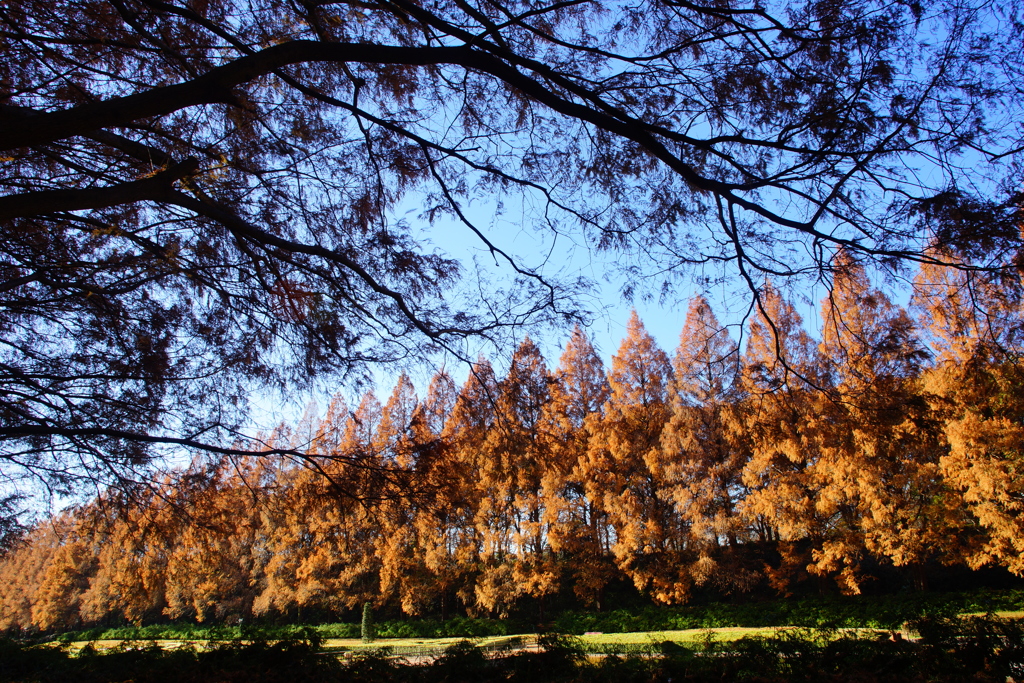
pixel 369 632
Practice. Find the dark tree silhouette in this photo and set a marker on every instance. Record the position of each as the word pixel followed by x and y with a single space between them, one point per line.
pixel 197 196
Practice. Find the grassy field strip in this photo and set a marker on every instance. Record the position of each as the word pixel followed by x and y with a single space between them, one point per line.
pixel 164 644
pixel 400 645
pixel 636 638
pixel 407 645
pixel 684 636
pixel 528 640
pixel 330 644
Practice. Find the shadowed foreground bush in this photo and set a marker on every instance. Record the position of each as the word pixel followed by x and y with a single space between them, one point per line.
pixel 290 660
pixel 949 649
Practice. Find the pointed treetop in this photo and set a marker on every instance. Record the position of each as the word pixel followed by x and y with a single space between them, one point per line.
pixel 707 360
pixel 440 401
pixel 641 371
pixel 865 336
pixel 779 350
pixel 581 383
pixel 970 314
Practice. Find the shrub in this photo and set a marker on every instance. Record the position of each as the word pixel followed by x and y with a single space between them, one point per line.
pixel 461 661
pixel 339 630
pixel 367 630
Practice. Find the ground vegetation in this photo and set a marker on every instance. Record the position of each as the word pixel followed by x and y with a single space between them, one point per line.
pixel 981 649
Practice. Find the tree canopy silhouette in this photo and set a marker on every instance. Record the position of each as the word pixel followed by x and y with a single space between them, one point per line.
pixel 199 197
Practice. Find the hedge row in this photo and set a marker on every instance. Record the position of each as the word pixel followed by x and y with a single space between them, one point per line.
pixel 884 612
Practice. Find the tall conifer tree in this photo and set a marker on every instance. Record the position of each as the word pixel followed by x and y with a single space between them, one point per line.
pixel 879 451
pixel 578 526
pixel 976 324
pixel 624 464
pixel 703 461
pixel 779 373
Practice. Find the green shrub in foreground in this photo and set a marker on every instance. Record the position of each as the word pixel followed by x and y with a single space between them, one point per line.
pixel 458 627
pixel 883 612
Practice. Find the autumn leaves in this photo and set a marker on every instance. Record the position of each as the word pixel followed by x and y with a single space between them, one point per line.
pixel 893 442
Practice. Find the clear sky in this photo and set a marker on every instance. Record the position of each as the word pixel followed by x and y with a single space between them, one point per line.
pixel 662 316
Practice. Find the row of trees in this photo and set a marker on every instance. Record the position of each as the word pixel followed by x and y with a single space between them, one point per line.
pixel 203 198
pixel 894 441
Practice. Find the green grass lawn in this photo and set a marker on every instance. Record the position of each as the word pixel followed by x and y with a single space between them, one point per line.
pixel 406 644
pixel 328 645
pixel 880 612
pixel 529 640
pixel 413 646
pixel 692 635
pixel 1005 614
pixel 596 640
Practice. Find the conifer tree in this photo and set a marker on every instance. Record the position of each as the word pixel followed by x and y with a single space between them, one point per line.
pixel 779 373
pixel 283 541
pixel 510 466
pixel 443 550
pixel 331 428
pixel 394 438
pixel 879 452
pixel 145 530
pixel 703 461
pixel 319 542
pixel 470 546
pixel 439 403
pixel 578 527
pixel 521 448
pixel 214 562
pixel 367 629
pixel 22 570
pixel 57 600
pixel 976 325
pixel 623 466
pixel 345 565
pixel 402 440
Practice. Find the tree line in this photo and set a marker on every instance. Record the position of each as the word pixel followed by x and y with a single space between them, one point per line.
pixel 894 441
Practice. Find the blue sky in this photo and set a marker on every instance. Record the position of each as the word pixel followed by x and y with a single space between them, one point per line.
pixel 509 230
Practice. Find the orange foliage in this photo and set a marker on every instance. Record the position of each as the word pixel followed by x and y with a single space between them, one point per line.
pixel 623 466
pixel 720 470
